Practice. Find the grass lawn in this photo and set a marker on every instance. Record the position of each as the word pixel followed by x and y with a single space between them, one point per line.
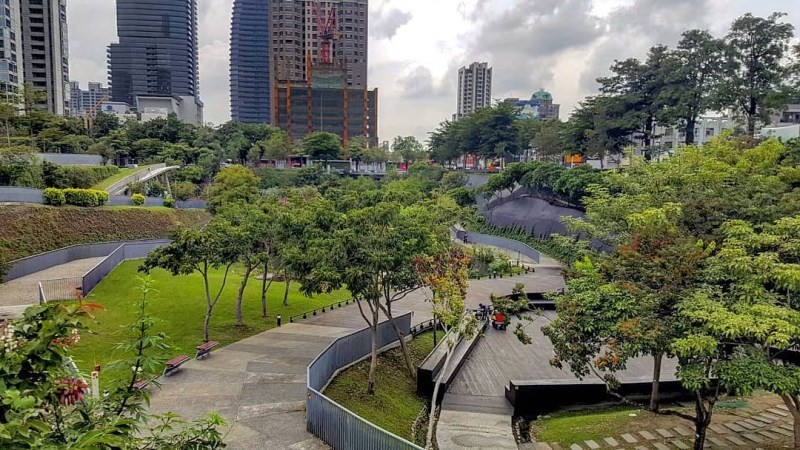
pixel 179 303
pixel 570 427
pixel 123 172
pixel 395 405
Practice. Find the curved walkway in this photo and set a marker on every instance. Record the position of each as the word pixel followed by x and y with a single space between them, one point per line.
pixel 258 384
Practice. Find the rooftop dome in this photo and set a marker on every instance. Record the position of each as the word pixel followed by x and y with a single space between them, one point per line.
pixel 541 94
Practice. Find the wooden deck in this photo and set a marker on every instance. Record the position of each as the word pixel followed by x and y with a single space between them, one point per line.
pixel 500 357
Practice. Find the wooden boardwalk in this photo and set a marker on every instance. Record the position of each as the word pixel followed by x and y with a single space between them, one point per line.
pixel 500 357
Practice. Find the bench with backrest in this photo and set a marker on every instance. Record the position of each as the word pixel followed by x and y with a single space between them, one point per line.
pixel 174 364
pixel 205 348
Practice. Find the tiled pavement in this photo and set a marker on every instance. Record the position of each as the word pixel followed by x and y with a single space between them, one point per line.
pixel 764 428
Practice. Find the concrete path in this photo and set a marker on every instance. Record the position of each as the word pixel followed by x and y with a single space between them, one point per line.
pixel 24 290
pixel 475 422
pixel 258 384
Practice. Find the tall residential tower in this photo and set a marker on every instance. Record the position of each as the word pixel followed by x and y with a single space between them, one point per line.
pixel 45 51
pixel 278 42
pixel 11 70
pixel 155 65
pixel 474 88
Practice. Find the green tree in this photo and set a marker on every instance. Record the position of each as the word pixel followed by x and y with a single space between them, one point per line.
pixel 695 70
pixel 235 184
pixel 322 146
pixel 446 275
pixel 408 148
pixel 184 190
pixel 202 252
pixel 756 48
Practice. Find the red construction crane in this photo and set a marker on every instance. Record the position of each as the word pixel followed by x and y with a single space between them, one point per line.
pixel 326 32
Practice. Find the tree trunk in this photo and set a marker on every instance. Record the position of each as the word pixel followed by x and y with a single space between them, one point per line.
pixel 286 290
pixel 264 289
pixel 206 322
pixel 435 398
pixel 373 362
pixel 656 382
pixel 690 137
pixel 240 297
pixel 701 422
pixel 412 372
pixel 793 403
pixel 209 307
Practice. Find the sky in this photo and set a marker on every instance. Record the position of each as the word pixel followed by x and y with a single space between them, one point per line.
pixel 417 46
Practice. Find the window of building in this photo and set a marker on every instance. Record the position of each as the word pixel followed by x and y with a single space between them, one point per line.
pixel 709 132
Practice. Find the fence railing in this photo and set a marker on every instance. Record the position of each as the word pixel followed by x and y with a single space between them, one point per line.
pixel 331 422
pixel 499 242
pixel 60 289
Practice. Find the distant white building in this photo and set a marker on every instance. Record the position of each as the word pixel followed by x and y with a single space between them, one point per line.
pixel 784 132
pixel 188 109
pixel 667 140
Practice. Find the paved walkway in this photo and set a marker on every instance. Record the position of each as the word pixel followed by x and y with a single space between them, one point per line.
pixel 24 291
pixel 258 384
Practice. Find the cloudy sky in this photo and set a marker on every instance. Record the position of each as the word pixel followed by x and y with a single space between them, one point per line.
pixel 416 47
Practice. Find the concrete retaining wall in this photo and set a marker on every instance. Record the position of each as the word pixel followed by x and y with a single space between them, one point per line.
pixel 27 195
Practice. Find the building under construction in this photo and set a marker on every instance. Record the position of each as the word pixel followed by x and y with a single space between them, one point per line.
pixel 325 103
pixel 319 82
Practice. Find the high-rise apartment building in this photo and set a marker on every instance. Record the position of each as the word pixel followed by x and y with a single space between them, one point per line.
pixel 157 57
pixel 250 61
pixel 82 101
pixel 474 88
pixel 45 51
pixel 295 36
pixel 540 106
pixel 289 43
pixel 11 71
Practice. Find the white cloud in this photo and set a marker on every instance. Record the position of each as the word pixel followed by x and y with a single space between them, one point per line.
pixel 416 47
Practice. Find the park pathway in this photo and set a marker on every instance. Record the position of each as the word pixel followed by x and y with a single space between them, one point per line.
pixel 18 294
pixel 258 384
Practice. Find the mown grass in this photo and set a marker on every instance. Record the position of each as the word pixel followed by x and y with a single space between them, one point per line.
pixel 123 172
pixel 395 405
pixel 577 426
pixel 179 305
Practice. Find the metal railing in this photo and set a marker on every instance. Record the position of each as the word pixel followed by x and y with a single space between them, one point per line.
pixel 334 424
pixel 504 243
pixel 60 289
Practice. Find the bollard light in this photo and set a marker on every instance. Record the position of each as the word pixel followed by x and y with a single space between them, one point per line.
pixel 279 320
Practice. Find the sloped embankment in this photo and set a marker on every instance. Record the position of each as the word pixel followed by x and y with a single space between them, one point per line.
pixel 27 229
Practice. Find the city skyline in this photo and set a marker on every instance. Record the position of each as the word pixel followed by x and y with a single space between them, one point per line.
pixel 415 53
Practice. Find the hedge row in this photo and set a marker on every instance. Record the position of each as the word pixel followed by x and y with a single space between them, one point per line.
pixel 79 177
pixel 77 197
pixel 27 230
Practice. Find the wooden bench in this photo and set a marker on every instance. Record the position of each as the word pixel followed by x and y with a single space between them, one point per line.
pixel 174 364
pixel 205 348
pixel 141 385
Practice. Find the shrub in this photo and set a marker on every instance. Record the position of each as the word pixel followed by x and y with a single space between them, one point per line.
pixel 156 189
pixel 138 199
pixel 81 197
pixel 86 177
pixel 169 202
pixel 53 196
pixel 184 190
pixel 136 188
pixel 102 197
